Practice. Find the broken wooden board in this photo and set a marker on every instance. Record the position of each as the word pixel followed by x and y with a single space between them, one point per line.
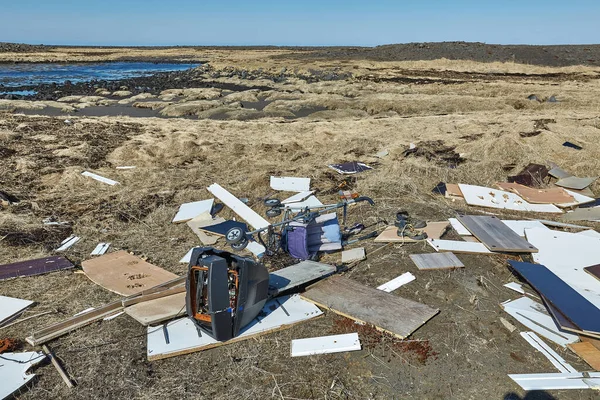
pixel 573 182
pixel 557 381
pixel 184 338
pixel 397 282
pixel 289 184
pixel 578 200
pixel 388 313
pixel 495 235
pixel 572 304
pixel 561 224
pixel 588 352
pixel 13 370
pixel 453 191
pixel 583 214
pixel 99 178
pixel 434 230
pixel 245 212
pixel 534 316
pixel 486 197
pixel 552 356
pixel 555 195
pixel 434 261
pixel 11 307
pixel 584 192
pixel 297 275
pixel 594 271
pixel 352 255
pixel 190 211
pixel 34 267
pixel 158 310
pixel 458 247
pixel 125 274
pixel 519 227
pixel 325 345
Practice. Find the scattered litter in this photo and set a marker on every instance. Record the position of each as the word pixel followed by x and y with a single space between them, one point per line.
pixel 13 369
pixel 573 182
pixel 495 235
pixel 434 230
pixel 125 274
pixel 552 99
pixel 588 352
pixel 190 211
pixel 397 282
pixel 184 338
pixel 437 152
pixel 99 178
pixel 458 247
pixel 127 167
pixel 100 249
pixel 440 188
pixel 517 287
pixel 298 197
pixel 245 212
pixel 34 267
pixel 487 197
pixel 382 153
pixel 67 243
pixel 11 308
pixel 289 184
pixel 357 254
pixel 7 199
pixel 50 221
pixel 200 223
pixel 532 175
pixel 436 261
pixel 572 145
pixel 325 345
pixel 533 97
pixel 350 168
pixel 511 328
pixel 110 318
pixel 550 354
pixel 389 313
pixel 557 381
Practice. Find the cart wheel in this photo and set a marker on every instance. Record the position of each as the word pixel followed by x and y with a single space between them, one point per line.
pixel 272 203
pixel 273 212
pixel 235 235
pixel 241 245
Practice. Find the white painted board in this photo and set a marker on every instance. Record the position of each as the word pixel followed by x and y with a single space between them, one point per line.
pixel 188 257
pixel 10 307
pixel 311 201
pixel 100 249
pixel 519 227
pixel 556 381
pixel 397 282
pixel 325 345
pixel 356 254
pixel 298 274
pixel 256 248
pixel 534 316
pixel 487 197
pixel 189 211
pixel 289 184
pixel 297 197
pixel 590 233
pixel 184 338
pixel 13 370
pixel 552 356
pixel 67 243
pixel 517 287
pixel 459 228
pixel 100 178
pixel 245 212
pixel 458 247
pixel 566 254
pixel 579 199
pixel 127 167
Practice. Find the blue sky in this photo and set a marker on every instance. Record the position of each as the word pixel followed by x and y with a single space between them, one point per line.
pixel 306 22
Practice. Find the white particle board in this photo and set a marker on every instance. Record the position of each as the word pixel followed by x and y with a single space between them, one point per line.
pixel 289 184
pixel 311 201
pixel 325 345
pixel 458 247
pixel 99 178
pixel 100 249
pixel 189 211
pixel 579 199
pixel 552 356
pixel 566 254
pixel 397 282
pixel 561 224
pixel 256 248
pixel 557 381
pixel 127 167
pixel 297 275
pixel 184 338
pixel 297 197
pixel 10 307
pixel 356 254
pixel 459 228
pixel 534 316
pixel 67 243
pixel 517 287
pixel 188 257
pixel 519 227
pixel 245 212
pixel 488 197
pixel 589 233
pixel 13 370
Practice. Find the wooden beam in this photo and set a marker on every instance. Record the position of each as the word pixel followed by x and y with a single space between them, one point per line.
pixel 58 367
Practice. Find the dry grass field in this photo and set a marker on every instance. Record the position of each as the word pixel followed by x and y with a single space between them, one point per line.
pixel 296 128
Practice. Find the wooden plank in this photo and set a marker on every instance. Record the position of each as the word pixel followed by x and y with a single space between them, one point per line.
pixel 204 220
pixel 432 261
pixel 289 184
pixel 325 345
pixel 297 275
pixel 458 247
pixel 555 195
pixel 245 212
pixel 99 178
pixel 594 271
pixel 487 197
pixel 434 230
pixel 125 274
pixel 573 182
pixel 190 211
pixel 453 190
pixel 495 235
pixel 57 366
pixel 158 310
pixel 595 342
pixel 552 356
pixel 277 314
pixel 574 306
pixel 392 314
pixel 588 352
pixel 34 267
pixel 397 282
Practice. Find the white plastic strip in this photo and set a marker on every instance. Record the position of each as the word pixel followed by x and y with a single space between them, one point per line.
pixel 397 282
pixel 557 381
pixel 458 247
pixel 459 228
pixel 127 167
pixel 550 354
pixel 100 249
pixel 245 212
pixel 100 178
pixel 67 243
pixel 325 345
pixel 289 184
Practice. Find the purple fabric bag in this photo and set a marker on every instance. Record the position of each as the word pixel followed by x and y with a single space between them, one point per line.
pixel 296 242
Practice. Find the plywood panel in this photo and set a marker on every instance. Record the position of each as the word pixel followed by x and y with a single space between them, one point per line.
pixel 588 352
pixel 495 235
pixel 158 310
pixel 389 313
pixel 125 274
pixel 189 211
pixel 553 195
pixel 436 261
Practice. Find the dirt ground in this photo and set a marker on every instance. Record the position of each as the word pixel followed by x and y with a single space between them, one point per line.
pixel 238 131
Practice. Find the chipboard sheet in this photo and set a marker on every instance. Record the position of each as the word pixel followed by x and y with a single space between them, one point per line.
pixel 488 197
pixel 325 345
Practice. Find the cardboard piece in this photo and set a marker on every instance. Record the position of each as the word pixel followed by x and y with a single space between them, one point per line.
pixel 554 195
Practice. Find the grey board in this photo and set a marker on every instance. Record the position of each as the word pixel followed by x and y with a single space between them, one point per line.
pixel 495 234
pixel 436 261
pixel 573 182
pixel 297 275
